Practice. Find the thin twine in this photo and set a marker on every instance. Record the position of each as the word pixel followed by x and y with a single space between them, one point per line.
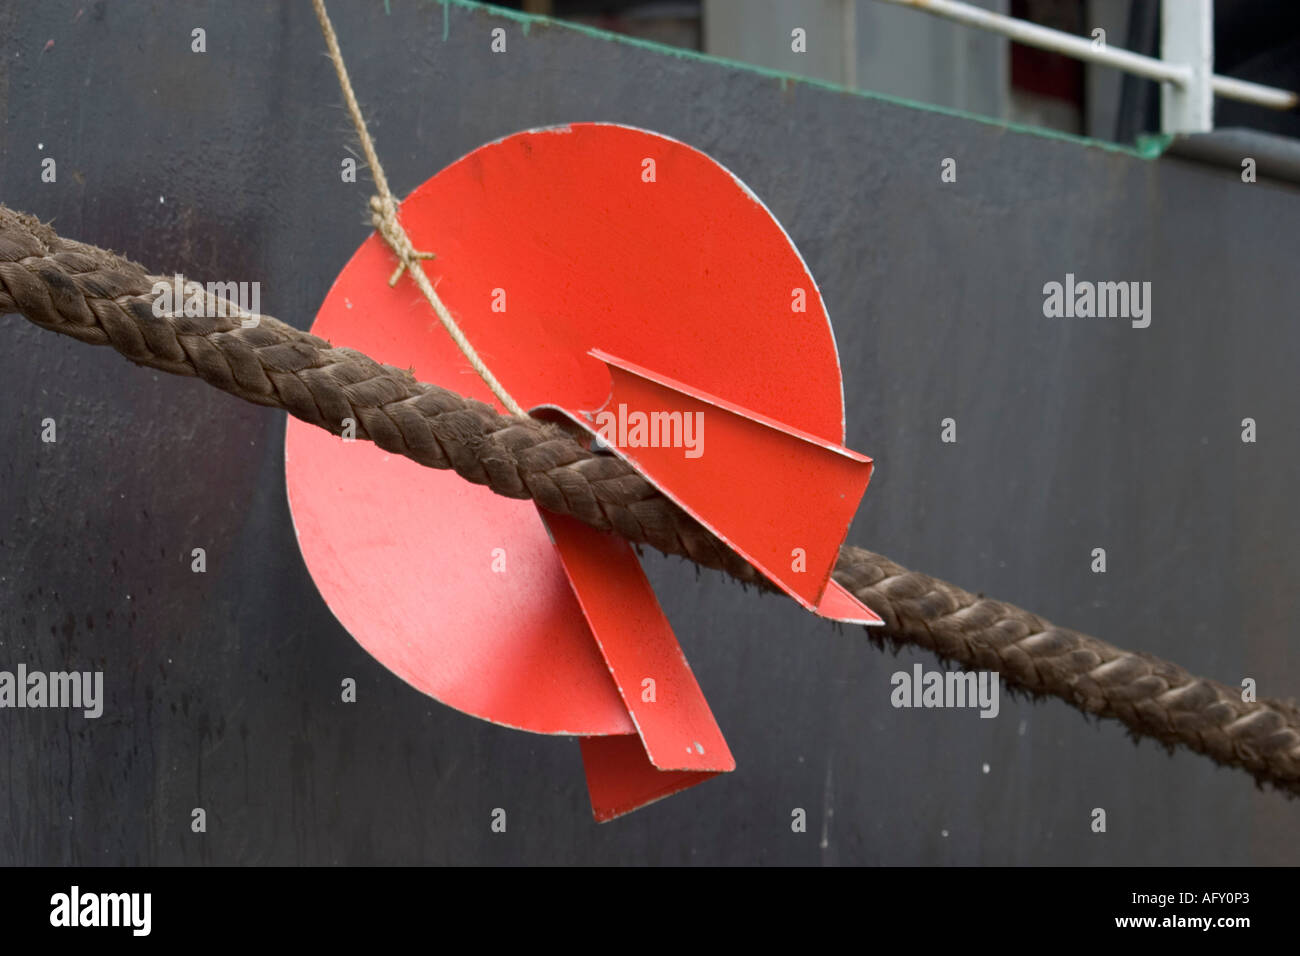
pixel 383 215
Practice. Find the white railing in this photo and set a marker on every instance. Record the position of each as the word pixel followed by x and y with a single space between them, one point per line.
pixel 1185 68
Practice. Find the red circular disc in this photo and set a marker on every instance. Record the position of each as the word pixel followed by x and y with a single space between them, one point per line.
pixel 549 243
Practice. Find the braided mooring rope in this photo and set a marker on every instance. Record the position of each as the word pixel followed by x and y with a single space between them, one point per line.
pixel 98 297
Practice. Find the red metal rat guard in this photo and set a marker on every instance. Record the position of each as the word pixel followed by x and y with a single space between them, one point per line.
pixel 630 283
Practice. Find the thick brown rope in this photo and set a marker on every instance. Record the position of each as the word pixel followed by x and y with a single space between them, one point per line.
pixel 100 298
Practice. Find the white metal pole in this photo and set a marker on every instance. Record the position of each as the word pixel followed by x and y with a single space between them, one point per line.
pixel 1187 37
pixel 850 43
pixel 1247 92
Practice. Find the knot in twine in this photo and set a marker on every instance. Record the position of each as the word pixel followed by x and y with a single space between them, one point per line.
pixel 383 216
